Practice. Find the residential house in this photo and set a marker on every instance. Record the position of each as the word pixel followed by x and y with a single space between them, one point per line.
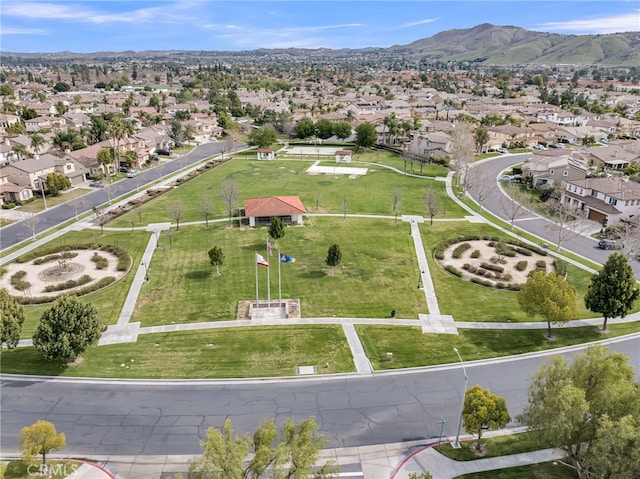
pixel 12 192
pixel 612 157
pixel 431 145
pixel 554 168
pixel 32 171
pixel 605 200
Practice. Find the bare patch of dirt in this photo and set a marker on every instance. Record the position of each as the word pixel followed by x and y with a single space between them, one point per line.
pixel 75 362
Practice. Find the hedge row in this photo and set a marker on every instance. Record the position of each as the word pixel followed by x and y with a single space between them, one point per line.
pixel 101 283
pixel 453 270
pixel 53 257
pixel 439 251
pixel 487 273
pixel 100 261
pixel 18 283
pixel 461 248
pixel 69 284
pixel 475 253
pixel 492 267
pixel 124 260
pixel 513 244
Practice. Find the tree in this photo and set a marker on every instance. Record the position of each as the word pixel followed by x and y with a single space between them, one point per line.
pixel 105 157
pixel 345 207
pixel 334 256
pixel 176 132
pixel 31 221
pixel 395 204
pixel 12 319
pixel 262 137
pixel 40 438
pixel 513 203
pixel 206 207
pixel 566 403
pixel 613 291
pixel 566 222
pixel 118 130
pixel 20 151
pixel 229 195
pixel 216 258
pixel 483 410
pixel 481 137
pixel 432 202
pixel 324 128
pixel 549 296
pixel 56 183
pixel 36 142
pixel 305 128
pixel 615 450
pixel 342 129
pixel 482 185
pixel 291 453
pixel 462 144
pixel 366 135
pixel 176 209
pixel 277 228
pixel 67 329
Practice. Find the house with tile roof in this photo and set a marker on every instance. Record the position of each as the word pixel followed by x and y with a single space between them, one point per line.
pixel 32 171
pixel 261 211
pixel 605 200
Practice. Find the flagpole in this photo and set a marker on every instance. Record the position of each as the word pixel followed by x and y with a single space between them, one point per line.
pixel 268 289
pixel 255 260
pixel 279 282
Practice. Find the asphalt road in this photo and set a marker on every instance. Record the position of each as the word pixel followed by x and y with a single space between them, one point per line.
pixel 581 245
pixel 18 232
pixel 170 418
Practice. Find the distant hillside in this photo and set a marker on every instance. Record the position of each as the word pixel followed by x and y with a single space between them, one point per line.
pixel 484 43
pixel 508 45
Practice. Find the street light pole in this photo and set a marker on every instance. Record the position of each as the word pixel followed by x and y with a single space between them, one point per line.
pixel 456 443
pixel 44 198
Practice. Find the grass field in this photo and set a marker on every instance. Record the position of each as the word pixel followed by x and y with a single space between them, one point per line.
pixel 369 194
pixel 225 353
pixel 37 205
pixel 373 278
pixel 495 446
pixel 411 348
pixel 29 470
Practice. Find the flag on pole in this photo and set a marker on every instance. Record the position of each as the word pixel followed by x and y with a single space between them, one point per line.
pixel 269 248
pixel 286 259
pixel 261 261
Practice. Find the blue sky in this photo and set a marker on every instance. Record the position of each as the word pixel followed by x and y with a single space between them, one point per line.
pixel 89 26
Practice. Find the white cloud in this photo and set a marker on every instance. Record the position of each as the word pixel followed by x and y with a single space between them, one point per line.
pixel 424 21
pixel 22 31
pixel 629 22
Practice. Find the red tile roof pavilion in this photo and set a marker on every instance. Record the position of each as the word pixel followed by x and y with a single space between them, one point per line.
pixel 273 206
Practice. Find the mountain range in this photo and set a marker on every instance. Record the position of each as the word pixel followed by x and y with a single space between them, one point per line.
pixel 485 43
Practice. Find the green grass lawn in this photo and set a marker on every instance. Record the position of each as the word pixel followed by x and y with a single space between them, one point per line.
pixel 37 205
pixel 108 301
pixel 373 278
pixel 411 348
pixel 5 222
pixel 224 353
pixel 368 194
pixel 495 446
pixel 545 470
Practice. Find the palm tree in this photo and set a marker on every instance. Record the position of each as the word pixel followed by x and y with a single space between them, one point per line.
pixel 36 142
pixel 19 150
pixel 119 129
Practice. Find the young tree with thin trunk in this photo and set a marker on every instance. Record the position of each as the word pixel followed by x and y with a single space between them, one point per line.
pixel 277 228
pixel 432 202
pixel 40 438
pixel 566 223
pixel 481 184
pixel 395 204
pixel 613 291
pixel 206 207
pixel 345 207
pixel 229 196
pixel 216 258
pixel 462 145
pixel 176 209
pixel 514 203
pixel 483 410
pixel 548 296
pixel 31 221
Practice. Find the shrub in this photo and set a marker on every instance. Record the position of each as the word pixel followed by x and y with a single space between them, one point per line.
pixel 500 285
pixel 522 251
pixel 101 283
pixel 453 270
pixel 100 261
pixel 541 264
pixel 498 259
pixel 124 260
pixel 18 283
pixel 514 287
pixel 492 267
pixel 475 253
pixel 521 265
pixel 72 283
pixel 482 282
pixel 461 248
pixel 560 267
pixel 54 257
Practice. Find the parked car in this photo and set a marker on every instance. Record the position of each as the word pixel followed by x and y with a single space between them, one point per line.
pixel 96 184
pixel 163 152
pixel 506 178
pixel 502 150
pixel 539 147
pixel 132 173
pixel 124 169
pixel 609 244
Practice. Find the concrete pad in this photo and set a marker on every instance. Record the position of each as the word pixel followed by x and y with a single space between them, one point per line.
pixel 117 334
pixel 438 324
pixel 302 370
pixel 475 219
